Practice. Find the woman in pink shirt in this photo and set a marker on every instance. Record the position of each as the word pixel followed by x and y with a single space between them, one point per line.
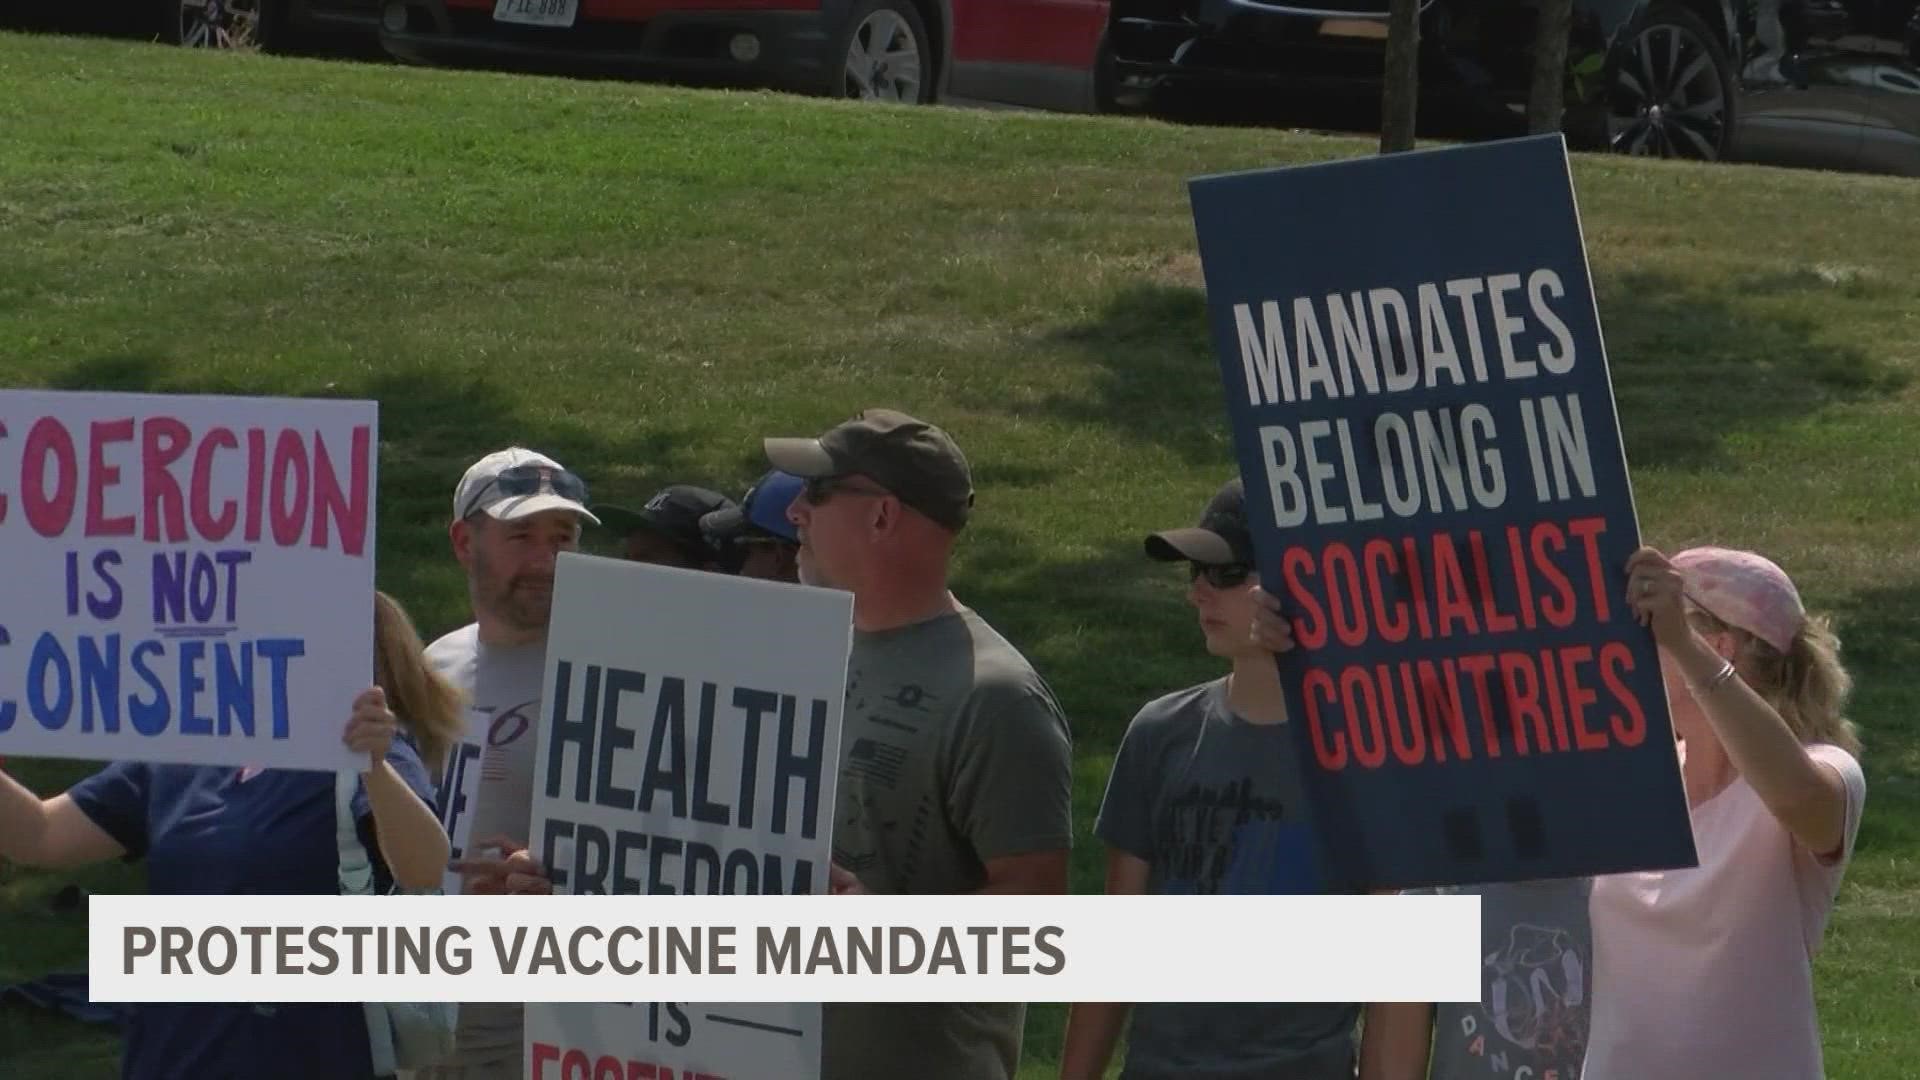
pixel 1708 972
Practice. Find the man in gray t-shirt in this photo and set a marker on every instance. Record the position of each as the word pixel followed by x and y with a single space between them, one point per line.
pixel 513 513
pixel 1536 987
pixel 956 771
pixel 1205 797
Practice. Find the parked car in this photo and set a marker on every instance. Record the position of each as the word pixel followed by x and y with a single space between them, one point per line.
pixel 267 25
pixel 1028 52
pixel 1831 83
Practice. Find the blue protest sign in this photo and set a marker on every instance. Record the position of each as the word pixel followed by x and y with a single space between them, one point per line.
pixel 1423 417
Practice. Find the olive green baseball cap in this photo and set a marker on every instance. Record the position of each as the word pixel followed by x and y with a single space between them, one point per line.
pixel 916 461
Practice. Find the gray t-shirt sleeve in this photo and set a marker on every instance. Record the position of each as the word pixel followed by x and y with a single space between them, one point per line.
pixel 1126 811
pixel 1011 787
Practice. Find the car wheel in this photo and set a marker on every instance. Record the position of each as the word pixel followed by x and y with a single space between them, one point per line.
pixel 886 55
pixel 1672 91
pixel 244 25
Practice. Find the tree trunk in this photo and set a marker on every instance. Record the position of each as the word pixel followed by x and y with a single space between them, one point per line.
pixel 1546 102
pixel 1400 98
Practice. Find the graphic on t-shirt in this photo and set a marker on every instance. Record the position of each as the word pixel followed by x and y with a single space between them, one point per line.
pixel 1535 1004
pixel 1226 839
pixel 876 762
pixel 1537 987
pixel 506 728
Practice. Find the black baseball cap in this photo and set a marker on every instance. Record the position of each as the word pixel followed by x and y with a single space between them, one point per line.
pixel 674 512
pixel 916 461
pixel 1221 539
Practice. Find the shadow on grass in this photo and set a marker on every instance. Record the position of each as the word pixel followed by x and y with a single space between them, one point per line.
pixel 1879 633
pixel 1690 366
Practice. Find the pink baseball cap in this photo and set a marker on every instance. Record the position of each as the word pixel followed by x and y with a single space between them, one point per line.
pixel 1745 590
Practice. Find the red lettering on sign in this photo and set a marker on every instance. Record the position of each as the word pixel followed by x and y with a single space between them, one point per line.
pixel 211 526
pixel 49 512
pixel 1331 754
pixel 1310 628
pixel 1615 660
pixel 162 441
pixel 101 476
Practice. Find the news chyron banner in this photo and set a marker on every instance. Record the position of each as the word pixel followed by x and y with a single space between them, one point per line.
pixel 691 746
pixel 1425 424
pixel 188 579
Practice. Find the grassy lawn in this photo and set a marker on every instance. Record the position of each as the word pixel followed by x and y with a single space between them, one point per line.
pixel 644 282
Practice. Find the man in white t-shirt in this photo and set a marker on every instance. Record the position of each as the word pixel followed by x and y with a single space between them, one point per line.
pixel 514 512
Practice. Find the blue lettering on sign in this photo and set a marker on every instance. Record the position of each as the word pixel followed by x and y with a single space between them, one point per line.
pixel 7 709
pixel 451 800
pixel 210 688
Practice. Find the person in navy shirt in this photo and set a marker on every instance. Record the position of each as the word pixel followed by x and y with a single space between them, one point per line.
pixel 207 830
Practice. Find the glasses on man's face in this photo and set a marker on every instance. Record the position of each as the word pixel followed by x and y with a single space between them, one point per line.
pixel 1221 576
pixel 530 480
pixel 819 489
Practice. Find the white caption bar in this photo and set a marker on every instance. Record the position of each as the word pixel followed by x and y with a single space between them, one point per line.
pixel 784 948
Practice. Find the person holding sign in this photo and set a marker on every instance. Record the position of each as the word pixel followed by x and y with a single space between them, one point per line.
pixel 514 511
pixel 946 723
pixel 207 830
pixel 1708 971
pixel 1204 799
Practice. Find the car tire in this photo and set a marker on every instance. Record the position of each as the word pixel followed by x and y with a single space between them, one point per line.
pixel 1671 90
pixel 883 53
pixel 250 25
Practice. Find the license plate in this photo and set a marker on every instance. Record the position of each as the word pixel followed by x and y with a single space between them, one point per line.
pixel 536 12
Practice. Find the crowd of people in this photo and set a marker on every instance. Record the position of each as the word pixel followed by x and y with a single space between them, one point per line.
pixel 956 777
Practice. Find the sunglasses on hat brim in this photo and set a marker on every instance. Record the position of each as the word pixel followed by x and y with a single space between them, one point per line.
pixel 529 480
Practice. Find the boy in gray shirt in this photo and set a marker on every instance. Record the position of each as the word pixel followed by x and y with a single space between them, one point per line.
pixel 1205 797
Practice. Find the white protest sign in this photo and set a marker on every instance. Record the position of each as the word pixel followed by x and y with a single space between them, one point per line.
pixel 691 745
pixel 188 579
pixel 459 790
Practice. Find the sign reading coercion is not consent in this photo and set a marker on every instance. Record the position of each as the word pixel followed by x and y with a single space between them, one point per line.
pixel 1425 422
pixel 691 745
pixel 188 579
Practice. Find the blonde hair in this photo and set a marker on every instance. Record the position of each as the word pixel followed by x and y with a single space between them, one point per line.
pixel 427 704
pixel 1807 685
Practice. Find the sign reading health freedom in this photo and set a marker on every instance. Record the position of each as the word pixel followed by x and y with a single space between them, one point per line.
pixel 1424 420
pixel 691 746
pixel 188 579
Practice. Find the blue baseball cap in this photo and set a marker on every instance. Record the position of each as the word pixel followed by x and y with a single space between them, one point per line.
pixel 763 510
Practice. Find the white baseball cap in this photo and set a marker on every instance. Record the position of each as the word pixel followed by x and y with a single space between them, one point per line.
pixel 517 482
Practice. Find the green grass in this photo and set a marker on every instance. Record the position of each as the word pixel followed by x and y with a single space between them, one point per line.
pixel 646 281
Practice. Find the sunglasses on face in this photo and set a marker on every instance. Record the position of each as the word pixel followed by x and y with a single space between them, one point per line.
pixel 820 488
pixel 530 480
pixel 1229 576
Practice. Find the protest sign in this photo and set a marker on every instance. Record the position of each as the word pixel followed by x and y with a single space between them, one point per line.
pixel 459 790
pixel 1425 423
pixel 189 579
pixel 691 745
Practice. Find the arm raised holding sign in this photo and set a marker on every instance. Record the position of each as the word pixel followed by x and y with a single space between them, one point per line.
pixel 218 830
pixel 1775 793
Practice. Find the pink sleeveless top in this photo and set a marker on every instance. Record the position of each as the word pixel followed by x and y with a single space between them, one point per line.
pixel 1708 972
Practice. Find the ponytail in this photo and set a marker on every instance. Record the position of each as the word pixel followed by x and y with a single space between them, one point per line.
pixel 1807 685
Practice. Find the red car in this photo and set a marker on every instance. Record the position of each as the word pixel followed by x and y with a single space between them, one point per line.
pixel 1042 53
